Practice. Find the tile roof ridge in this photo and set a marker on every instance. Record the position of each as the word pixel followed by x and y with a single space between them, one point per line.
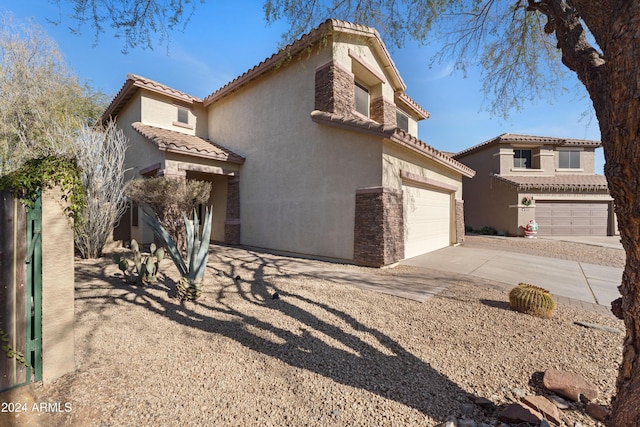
pixel 395 134
pixel 296 46
pixel 159 87
pixel 412 103
pixel 143 129
pixel 434 152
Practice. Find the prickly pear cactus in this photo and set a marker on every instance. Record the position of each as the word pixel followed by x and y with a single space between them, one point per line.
pixel 532 300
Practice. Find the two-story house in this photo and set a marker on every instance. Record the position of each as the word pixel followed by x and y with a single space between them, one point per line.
pixel 557 174
pixel 313 151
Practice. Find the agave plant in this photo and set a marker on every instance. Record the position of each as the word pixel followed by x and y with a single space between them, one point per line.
pixel 193 265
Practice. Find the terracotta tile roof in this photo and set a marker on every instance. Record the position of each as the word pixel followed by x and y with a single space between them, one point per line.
pixel 412 105
pixel 394 134
pixel 131 86
pixel 558 182
pixel 516 138
pixel 299 45
pixel 177 142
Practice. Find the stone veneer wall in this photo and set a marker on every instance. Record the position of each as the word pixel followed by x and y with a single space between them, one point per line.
pixel 459 221
pixel 57 288
pixel 379 227
pixel 334 90
pixel 232 221
pixel 383 111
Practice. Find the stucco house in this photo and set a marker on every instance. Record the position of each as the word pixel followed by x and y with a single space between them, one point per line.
pixel 313 151
pixel 569 198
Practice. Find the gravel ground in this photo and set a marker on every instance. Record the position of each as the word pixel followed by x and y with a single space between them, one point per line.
pixel 321 355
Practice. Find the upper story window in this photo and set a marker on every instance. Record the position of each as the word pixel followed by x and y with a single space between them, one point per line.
pixel 569 159
pixel 362 99
pixel 183 116
pixel 522 158
pixel 402 121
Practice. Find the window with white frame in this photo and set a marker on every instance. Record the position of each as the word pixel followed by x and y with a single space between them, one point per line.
pixel 569 159
pixel 522 158
pixel 362 99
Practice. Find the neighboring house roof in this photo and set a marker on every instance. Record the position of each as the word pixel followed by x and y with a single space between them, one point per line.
pixel 510 138
pixel 558 182
pixel 394 134
pixel 290 51
pixel 182 143
pixel 131 86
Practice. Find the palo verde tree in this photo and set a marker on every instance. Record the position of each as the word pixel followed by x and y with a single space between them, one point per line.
pixel 523 46
pixel 135 21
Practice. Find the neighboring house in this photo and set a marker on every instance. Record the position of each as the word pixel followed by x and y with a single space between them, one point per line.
pixel 313 151
pixel 558 173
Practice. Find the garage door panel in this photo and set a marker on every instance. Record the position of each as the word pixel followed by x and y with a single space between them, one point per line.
pixel 427 221
pixel 556 218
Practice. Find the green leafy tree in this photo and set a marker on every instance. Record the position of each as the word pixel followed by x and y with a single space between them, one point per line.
pixel 42 102
pixel 524 46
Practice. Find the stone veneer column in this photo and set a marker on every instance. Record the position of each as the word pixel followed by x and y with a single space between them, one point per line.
pixel 379 227
pixel 459 221
pixel 383 111
pixel 334 90
pixel 232 221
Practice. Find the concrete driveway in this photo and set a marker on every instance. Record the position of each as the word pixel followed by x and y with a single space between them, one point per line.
pixel 590 283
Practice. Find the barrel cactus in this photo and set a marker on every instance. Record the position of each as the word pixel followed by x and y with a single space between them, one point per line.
pixel 532 300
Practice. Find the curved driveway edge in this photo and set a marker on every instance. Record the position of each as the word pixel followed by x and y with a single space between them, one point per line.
pixel 589 283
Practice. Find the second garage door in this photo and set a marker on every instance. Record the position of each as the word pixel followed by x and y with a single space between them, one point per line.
pixel 427 219
pixel 572 219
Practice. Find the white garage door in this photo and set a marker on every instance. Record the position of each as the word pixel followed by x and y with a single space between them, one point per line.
pixel 572 219
pixel 427 219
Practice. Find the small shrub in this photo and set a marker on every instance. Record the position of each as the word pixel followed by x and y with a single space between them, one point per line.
pixel 489 230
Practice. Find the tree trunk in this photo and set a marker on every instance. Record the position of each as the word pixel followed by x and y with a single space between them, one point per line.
pixel 618 113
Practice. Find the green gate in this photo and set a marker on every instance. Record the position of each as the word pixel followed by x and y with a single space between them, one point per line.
pixel 20 292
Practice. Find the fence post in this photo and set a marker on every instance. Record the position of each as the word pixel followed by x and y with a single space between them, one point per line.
pixel 57 287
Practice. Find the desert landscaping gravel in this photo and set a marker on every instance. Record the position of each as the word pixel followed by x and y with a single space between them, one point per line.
pixel 322 354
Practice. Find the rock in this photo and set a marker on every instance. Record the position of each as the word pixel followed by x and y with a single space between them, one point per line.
pixel 467 410
pixel 569 385
pixel 237 278
pixel 598 327
pixel 519 392
pixel 450 422
pixel 597 412
pixel 486 404
pixel 220 273
pixel 467 423
pixel 559 402
pixel 544 423
pixel 520 413
pixel 275 296
pixel 544 406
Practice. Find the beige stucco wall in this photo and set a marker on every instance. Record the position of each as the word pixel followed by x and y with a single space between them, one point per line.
pixel 57 288
pixel 396 158
pixel 162 111
pixel 298 184
pixel 484 206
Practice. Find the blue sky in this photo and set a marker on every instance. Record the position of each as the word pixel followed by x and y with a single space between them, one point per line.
pixel 220 43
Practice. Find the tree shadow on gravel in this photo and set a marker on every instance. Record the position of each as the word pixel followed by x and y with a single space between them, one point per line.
pixel 346 351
